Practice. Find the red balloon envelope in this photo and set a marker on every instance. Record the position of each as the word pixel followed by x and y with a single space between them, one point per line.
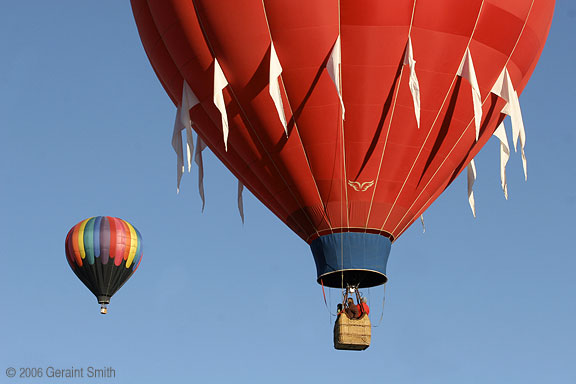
pixel 346 118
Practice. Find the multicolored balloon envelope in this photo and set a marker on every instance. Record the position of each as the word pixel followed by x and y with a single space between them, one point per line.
pixel 103 252
pixel 346 118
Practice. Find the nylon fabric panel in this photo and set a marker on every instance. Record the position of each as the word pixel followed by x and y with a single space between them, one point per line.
pixel 198 69
pixel 68 248
pixel 127 240
pixel 138 253
pixel 105 238
pixel 80 240
pixel 96 235
pixel 433 190
pixel 245 60
pixel 537 24
pixel 304 41
pixel 120 241
pixel 133 245
pixel 75 248
pixel 89 241
pixel 165 70
pixel 212 137
pixel 373 43
pixel 113 237
pixel 387 152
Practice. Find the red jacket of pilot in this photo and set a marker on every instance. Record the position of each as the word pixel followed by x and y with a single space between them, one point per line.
pixel 363 308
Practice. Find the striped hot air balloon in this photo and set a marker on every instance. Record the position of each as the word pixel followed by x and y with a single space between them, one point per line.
pixel 103 252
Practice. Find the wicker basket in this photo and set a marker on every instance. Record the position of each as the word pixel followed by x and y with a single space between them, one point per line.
pixel 353 335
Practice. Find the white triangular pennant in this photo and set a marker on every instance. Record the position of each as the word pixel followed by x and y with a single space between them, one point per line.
pixel 274 86
pixel 471 180
pixel 240 200
pixel 467 72
pixel 413 83
pixel 200 145
pixel 220 83
pixel 177 145
pixel 500 133
pixel 504 89
pixel 333 66
pixel 188 101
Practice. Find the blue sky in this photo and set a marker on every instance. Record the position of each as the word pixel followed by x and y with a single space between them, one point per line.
pixel 85 131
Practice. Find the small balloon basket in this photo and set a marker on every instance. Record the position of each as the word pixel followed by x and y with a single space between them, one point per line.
pixel 352 334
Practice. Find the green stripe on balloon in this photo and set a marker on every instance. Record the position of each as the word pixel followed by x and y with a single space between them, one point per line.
pixel 89 241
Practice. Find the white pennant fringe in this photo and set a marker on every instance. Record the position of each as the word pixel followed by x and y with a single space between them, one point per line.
pixel 220 83
pixel 333 66
pixel 188 101
pixel 467 72
pixel 500 133
pixel 240 200
pixel 505 89
pixel 471 180
pixel 200 145
pixel 274 86
pixel 177 145
pixel 413 83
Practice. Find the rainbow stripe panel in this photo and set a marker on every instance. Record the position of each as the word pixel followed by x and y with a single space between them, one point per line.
pixel 105 239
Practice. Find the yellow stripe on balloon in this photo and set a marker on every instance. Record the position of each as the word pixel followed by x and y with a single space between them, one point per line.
pixel 81 238
pixel 133 244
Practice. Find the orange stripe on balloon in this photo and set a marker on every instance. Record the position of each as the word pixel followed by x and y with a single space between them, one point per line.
pixel 127 239
pixel 75 245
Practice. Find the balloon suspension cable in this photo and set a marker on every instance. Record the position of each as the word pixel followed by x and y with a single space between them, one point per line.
pixel 103 309
pixel 383 302
pixel 325 302
pixel 349 290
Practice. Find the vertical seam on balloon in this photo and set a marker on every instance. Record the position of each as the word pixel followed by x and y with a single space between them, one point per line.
pixel 389 127
pixel 111 222
pixel 248 121
pixel 298 134
pixel 345 173
pixel 434 122
pixel 469 124
pixel 282 209
pixel 343 149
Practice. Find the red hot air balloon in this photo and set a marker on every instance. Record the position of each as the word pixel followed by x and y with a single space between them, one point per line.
pixel 346 119
pixel 103 252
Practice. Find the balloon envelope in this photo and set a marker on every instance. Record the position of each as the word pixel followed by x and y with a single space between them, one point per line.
pixel 346 119
pixel 103 252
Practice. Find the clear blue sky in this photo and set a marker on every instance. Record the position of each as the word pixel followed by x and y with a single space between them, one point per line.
pixel 85 130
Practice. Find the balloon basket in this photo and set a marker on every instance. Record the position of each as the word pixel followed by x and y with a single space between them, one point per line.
pixel 352 334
